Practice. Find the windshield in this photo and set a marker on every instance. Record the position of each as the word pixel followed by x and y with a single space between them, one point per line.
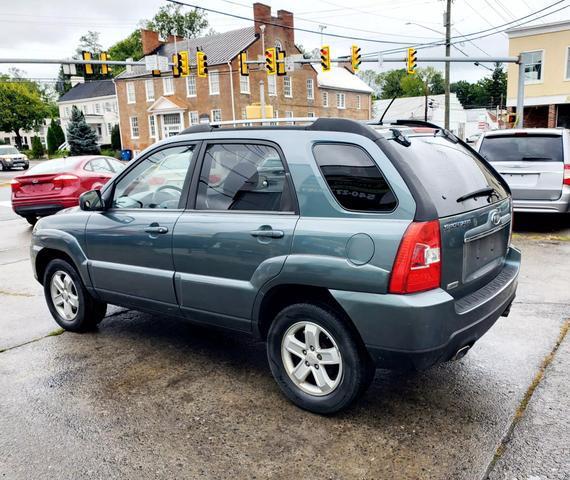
pixel 8 150
pixel 54 166
pixel 522 147
pixel 448 171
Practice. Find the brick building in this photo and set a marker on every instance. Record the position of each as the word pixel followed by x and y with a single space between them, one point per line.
pixel 153 108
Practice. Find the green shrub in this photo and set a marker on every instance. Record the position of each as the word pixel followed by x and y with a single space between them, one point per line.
pixel 109 152
pixel 38 150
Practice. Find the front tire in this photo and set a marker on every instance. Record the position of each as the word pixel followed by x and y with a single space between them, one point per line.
pixel 317 359
pixel 69 302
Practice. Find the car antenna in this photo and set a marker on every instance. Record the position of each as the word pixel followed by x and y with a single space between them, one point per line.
pixel 387 108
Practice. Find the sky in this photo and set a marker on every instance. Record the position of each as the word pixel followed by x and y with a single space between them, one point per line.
pixel 51 29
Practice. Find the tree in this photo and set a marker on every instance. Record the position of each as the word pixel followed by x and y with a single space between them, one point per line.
pixel 130 47
pixel 63 85
pixel 21 107
pixel 373 80
pixel 171 20
pixel 487 92
pixel 37 147
pixel 116 137
pixel 55 136
pixel 90 43
pixel 80 136
pixel 391 83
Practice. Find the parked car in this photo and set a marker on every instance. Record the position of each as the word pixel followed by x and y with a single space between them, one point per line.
pixel 11 158
pixel 473 138
pixel 535 162
pixel 344 247
pixel 56 184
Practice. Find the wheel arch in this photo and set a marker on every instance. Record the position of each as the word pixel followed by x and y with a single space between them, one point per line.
pixel 45 256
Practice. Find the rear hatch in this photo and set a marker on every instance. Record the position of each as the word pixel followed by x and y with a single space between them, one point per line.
pixel 532 163
pixel 35 185
pixel 472 203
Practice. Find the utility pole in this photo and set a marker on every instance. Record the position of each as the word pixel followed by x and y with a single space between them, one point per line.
pixel 447 64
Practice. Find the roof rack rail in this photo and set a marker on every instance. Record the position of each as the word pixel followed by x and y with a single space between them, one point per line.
pixel 421 123
pixel 264 121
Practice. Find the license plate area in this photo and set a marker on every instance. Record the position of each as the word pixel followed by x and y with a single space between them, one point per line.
pixel 484 254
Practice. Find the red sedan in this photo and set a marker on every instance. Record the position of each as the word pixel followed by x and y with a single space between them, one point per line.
pixel 57 184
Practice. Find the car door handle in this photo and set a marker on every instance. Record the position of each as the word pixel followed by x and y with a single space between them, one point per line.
pixel 267 233
pixel 156 229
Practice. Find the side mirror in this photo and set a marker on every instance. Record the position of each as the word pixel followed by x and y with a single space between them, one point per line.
pixel 91 201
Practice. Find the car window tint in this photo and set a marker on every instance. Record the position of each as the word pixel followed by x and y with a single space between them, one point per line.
pixel 354 179
pixel 157 181
pixel 98 165
pixel 116 165
pixel 241 177
pixel 509 148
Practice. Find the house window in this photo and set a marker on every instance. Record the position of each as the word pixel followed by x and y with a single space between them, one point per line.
pixel 244 84
pixel 340 100
pixel 310 89
pixel 568 63
pixel 98 108
pixel 168 85
pixel 134 127
pixel 532 66
pixel 214 82
pixel 325 99
pixel 172 124
pixel 358 102
pixel 131 98
pixel 288 87
pixel 311 114
pixel 217 115
pixel 109 128
pixel 151 127
pixel 67 111
pixel 107 106
pixel 194 118
pixel 149 87
pixel 272 85
pixel 191 85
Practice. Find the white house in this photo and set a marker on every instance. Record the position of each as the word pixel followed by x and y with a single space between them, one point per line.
pixel 97 100
pixel 27 135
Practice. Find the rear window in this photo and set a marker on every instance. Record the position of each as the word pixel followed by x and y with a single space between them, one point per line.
pixel 448 171
pixel 354 179
pixel 516 148
pixel 54 166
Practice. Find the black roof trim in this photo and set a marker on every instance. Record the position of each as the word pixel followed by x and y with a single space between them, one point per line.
pixel 343 125
pixel 204 127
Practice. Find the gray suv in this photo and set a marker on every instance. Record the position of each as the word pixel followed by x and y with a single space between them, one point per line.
pixel 345 247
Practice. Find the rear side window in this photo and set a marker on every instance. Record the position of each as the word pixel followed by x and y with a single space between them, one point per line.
pixel 55 166
pixel 448 171
pixel 353 178
pixel 516 148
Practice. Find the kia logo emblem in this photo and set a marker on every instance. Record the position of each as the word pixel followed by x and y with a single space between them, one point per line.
pixel 495 218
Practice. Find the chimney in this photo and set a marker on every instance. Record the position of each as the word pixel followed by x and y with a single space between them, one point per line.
pixel 285 18
pixel 150 41
pixel 261 15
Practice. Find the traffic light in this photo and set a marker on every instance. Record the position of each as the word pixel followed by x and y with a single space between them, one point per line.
pixel 184 63
pixel 87 68
pixel 176 65
pixel 202 64
pixel 243 66
pixel 271 61
pixel 105 69
pixel 281 62
pixel 412 60
pixel 326 58
pixel 356 57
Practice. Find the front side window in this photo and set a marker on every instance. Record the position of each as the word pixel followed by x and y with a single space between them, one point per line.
pixel 131 98
pixel 156 182
pixel 168 85
pixel 532 66
pixel 241 177
pixel 354 178
pixel 149 87
pixel 287 87
pixel 214 83
pixel 310 89
pixel 191 85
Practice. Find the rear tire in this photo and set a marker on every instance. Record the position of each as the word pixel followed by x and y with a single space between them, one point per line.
pixel 31 219
pixel 300 338
pixel 69 302
pixel 26 167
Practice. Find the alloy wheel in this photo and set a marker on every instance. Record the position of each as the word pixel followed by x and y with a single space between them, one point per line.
pixel 64 295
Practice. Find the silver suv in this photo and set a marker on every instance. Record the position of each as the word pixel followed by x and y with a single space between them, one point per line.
pixel 536 165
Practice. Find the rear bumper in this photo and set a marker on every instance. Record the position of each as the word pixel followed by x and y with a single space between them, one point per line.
pixel 420 330
pixel 47 207
pixel 562 205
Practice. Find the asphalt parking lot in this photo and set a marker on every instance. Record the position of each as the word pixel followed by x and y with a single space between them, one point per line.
pixel 151 397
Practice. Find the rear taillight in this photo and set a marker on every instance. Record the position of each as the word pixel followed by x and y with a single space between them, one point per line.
pixel 16 185
pixel 566 180
pixel 418 263
pixel 65 180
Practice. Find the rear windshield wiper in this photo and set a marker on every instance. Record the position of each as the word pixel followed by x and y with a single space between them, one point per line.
pixel 482 192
